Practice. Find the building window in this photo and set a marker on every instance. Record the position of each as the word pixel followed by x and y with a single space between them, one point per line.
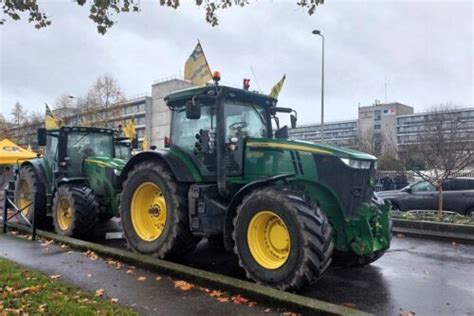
pixel 377 126
pixel 377 115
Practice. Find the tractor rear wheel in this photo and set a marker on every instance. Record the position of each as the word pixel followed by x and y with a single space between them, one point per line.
pixel 154 212
pixel 74 211
pixel 30 195
pixel 282 239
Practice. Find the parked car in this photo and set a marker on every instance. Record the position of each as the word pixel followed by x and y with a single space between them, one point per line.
pixel 458 196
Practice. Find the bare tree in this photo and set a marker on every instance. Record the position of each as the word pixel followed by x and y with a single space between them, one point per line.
pixel 444 146
pixel 4 128
pixel 100 97
pixel 19 115
pixel 102 12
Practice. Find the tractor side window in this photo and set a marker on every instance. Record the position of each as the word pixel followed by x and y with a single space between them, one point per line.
pixel 51 152
pixel 244 120
pixel 184 130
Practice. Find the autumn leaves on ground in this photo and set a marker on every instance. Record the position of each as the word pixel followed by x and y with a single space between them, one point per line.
pixel 23 291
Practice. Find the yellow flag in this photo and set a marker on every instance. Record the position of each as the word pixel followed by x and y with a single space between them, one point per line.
pixel 51 121
pixel 196 68
pixel 277 88
pixel 129 129
pixel 144 144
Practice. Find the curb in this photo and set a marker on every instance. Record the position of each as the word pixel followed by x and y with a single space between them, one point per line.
pixel 253 290
pixel 434 230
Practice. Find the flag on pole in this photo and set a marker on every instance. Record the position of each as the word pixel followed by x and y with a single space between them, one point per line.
pixel 144 144
pixel 277 88
pixel 51 121
pixel 129 129
pixel 196 68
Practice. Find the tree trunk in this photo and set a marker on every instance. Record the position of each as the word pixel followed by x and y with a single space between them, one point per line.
pixel 440 200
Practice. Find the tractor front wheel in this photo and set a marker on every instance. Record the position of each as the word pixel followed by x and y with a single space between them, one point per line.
pixel 74 211
pixel 282 239
pixel 154 212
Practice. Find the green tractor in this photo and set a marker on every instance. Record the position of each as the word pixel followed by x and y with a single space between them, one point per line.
pixel 76 182
pixel 286 208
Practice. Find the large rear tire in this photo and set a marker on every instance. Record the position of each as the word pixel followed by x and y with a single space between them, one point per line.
pixel 30 191
pixel 74 211
pixel 154 212
pixel 282 239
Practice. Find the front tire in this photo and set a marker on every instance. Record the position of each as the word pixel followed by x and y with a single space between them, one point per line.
pixel 74 211
pixel 30 191
pixel 154 212
pixel 281 239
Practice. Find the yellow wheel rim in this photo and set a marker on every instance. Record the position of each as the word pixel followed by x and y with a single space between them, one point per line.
pixel 64 214
pixel 148 211
pixel 268 240
pixel 24 198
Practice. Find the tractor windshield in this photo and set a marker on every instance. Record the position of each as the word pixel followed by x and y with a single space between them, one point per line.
pixel 245 120
pixel 81 145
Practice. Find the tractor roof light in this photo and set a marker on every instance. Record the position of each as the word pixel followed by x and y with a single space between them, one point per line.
pixel 216 76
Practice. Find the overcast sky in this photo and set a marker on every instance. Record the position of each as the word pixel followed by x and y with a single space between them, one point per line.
pixel 424 49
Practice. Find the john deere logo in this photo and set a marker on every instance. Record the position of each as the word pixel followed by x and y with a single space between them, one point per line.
pixel 10 148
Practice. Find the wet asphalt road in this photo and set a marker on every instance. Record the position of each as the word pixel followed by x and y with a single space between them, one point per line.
pixel 428 277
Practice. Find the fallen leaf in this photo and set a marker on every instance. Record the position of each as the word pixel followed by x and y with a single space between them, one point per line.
pixel 114 300
pixel 64 246
pixel 350 305
pixel 99 292
pixel 222 299
pixel 216 293
pixel 47 243
pixel 158 278
pixel 251 304
pixel 205 289
pixel 55 276
pixel 183 285
pixel 290 314
pixel 267 310
pixel 400 236
pixel 142 278
pixel 407 314
pixel 130 271
pixel 237 299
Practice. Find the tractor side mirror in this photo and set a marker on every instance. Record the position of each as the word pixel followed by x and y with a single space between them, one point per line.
pixel 41 136
pixel 282 133
pixel 293 120
pixel 193 110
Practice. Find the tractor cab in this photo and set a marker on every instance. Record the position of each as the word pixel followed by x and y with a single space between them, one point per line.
pixel 68 148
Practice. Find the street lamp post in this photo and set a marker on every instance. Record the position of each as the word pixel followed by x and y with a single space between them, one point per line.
pixel 317 32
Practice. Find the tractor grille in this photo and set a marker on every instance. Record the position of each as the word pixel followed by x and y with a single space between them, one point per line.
pixel 350 184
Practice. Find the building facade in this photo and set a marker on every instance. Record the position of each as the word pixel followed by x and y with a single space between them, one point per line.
pixel 342 133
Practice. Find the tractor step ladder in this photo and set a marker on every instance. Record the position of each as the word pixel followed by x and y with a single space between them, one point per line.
pixel 9 204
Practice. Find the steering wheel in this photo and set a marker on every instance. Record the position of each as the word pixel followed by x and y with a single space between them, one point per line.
pixel 238 126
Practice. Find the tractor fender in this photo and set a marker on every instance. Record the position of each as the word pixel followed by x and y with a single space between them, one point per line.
pixel 180 170
pixel 237 199
pixel 39 170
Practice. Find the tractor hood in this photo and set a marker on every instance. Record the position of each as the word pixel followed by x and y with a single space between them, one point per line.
pixel 114 163
pixel 310 147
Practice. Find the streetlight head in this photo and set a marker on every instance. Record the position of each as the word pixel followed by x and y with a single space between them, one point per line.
pixel 317 32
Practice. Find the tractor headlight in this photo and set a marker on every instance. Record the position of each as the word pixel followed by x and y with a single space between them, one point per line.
pixel 117 172
pixel 357 164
